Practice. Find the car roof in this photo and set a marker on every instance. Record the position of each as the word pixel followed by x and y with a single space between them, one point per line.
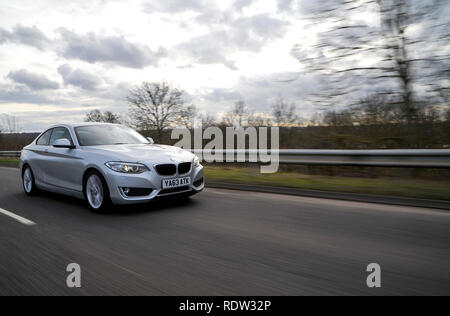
pixel 73 125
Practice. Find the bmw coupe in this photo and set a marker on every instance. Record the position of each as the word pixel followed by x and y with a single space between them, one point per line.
pixel 107 163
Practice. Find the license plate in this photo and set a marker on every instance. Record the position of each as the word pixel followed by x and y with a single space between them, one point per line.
pixel 175 183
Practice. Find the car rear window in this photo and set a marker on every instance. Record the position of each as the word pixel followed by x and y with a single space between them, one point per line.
pixel 44 138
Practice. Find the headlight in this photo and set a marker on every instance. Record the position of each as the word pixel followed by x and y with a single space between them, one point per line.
pixel 126 167
pixel 196 162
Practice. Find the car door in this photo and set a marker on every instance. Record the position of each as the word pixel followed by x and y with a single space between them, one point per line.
pixel 40 150
pixel 63 167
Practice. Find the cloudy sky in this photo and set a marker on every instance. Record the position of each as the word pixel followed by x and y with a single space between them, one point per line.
pixel 60 59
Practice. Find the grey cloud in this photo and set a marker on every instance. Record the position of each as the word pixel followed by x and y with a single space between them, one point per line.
pixel 224 94
pixel 37 121
pixel 31 36
pixel 89 47
pixel 260 92
pixel 32 80
pixel 312 7
pixel 214 47
pixel 262 25
pixel 21 94
pixel 4 35
pixel 79 78
pixel 229 30
pixel 284 5
pixel 94 48
pixel 175 6
pixel 231 65
pixel 242 34
pixel 211 17
pixel 240 4
pixel 207 49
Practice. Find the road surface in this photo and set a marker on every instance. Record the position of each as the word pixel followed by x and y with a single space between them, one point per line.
pixel 221 242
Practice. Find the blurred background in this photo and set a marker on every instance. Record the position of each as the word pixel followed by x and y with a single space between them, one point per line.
pixel 333 74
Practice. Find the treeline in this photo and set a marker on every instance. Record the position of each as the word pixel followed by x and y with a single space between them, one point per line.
pixel 380 136
pixel 383 136
pixel 377 121
pixel 16 141
pixel 355 129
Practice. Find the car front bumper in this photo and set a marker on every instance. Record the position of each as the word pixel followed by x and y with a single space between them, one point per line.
pixel 149 180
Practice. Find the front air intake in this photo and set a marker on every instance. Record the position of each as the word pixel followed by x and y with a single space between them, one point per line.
pixel 173 190
pixel 134 192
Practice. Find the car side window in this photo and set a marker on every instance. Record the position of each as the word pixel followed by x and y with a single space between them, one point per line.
pixel 58 133
pixel 44 139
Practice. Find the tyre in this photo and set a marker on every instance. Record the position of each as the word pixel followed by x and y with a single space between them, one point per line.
pixel 96 193
pixel 28 181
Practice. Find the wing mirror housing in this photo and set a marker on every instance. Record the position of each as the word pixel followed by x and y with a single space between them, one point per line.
pixel 63 143
pixel 150 140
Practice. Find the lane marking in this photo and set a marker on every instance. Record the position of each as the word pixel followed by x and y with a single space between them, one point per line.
pixel 18 218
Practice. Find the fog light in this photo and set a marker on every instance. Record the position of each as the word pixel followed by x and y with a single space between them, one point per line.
pixel 134 192
pixel 199 182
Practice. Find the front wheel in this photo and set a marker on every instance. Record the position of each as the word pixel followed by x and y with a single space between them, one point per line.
pixel 96 192
pixel 28 181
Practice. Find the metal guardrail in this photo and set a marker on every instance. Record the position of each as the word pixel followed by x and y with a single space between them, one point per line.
pixel 418 158
pixel 10 154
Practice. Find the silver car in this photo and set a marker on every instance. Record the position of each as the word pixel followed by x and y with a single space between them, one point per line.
pixel 104 163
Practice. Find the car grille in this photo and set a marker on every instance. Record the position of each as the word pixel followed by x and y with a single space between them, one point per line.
pixel 184 167
pixel 166 169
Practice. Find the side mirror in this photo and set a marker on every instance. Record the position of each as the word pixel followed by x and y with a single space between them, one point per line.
pixel 63 143
pixel 150 140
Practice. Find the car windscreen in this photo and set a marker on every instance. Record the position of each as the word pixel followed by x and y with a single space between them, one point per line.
pixel 96 135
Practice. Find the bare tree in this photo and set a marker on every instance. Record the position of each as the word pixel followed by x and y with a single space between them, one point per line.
pixel 431 114
pixel 110 117
pixel 98 116
pixel 284 113
pixel 338 118
pixel 156 106
pixel 208 120
pixel 352 55
pixel 187 116
pixel 316 119
pixel 377 109
pixel 11 124
pixel 238 115
pixel 258 120
pixel 94 116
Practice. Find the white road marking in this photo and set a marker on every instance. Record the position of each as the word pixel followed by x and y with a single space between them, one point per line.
pixel 18 218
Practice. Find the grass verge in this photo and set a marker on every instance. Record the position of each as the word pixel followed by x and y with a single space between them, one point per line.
pixel 9 162
pixel 408 187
